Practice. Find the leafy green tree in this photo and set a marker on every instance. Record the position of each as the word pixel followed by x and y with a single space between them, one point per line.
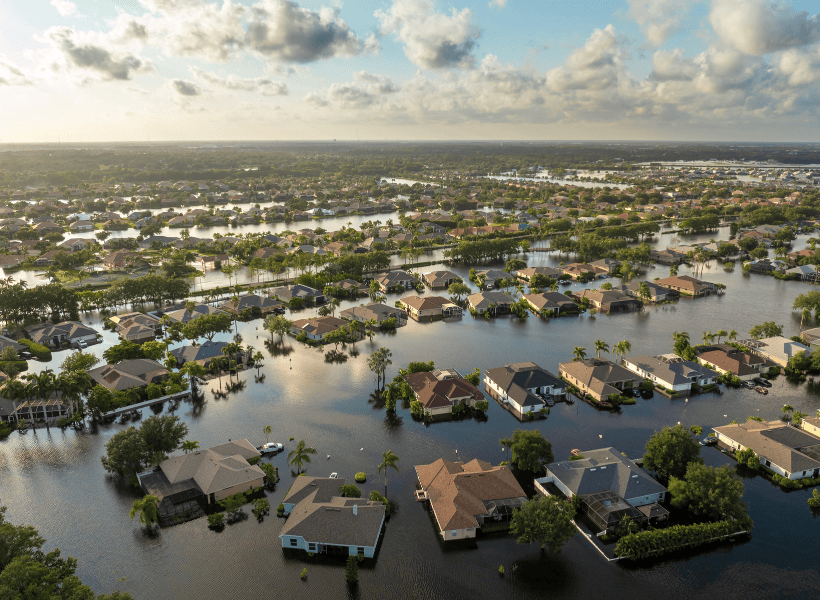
pixel 546 520
pixel 458 291
pixel 766 330
pixel 279 325
pixel 207 326
pixel 714 492
pixel 814 501
pixel 125 350
pixel 514 264
pixel 79 361
pixel 300 455
pixel 530 450
pixel 163 433
pixel 147 508
pixel 389 460
pixel 126 453
pixel 474 377
pixel 668 452
pixel 153 350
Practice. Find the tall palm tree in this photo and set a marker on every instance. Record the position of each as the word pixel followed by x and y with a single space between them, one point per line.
pixel 257 361
pixel 147 508
pixel 622 347
pixel 721 333
pixel 267 431
pixel 708 337
pixel 300 455
pixel 389 460
pixel 600 346
pixel 579 353
pixel 189 446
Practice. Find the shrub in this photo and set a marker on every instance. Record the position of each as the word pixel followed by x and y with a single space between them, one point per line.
pixel 814 501
pixel 458 409
pixel 656 542
pixel 5 430
pixel 647 386
pixel 501 570
pixel 254 460
pixel 482 405
pixel 216 520
pixel 261 507
pixel 352 570
pixel 13 366
pixel 280 510
pixel 303 574
pixel 350 491
pixel 360 477
pixel 377 497
pixel 38 351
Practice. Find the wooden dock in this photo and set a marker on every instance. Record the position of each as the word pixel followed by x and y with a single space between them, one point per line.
pixel 134 407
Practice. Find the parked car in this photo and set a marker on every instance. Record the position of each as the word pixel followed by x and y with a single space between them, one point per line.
pixel 279 311
pixel 763 382
pixel 709 441
pixel 334 476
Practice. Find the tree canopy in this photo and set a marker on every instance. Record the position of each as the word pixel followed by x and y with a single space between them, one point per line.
pixel 530 450
pixel 546 520
pixel 669 452
pixel 715 492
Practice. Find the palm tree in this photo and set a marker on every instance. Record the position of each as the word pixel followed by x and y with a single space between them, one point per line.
pixel 267 431
pixel 721 333
pixel 389 460
pixel 681 337
pixel 257 360
pixel 732 335
pixel 300 455
pixel 673 270
pixel 579 353
pixel 189 446
pixel 554 286
pixel 147 508
pixel 622 347
pixel 369 324
pixel 600 346
pixel 708 337
pixel 644 291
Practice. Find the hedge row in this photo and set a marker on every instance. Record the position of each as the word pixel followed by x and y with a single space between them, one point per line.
pixel 655 542
pixel 38 351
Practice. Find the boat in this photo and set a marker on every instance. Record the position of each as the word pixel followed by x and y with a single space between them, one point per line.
pixel 761 390
pixel 270 447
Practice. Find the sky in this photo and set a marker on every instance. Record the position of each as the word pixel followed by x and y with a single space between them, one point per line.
pixel 155 70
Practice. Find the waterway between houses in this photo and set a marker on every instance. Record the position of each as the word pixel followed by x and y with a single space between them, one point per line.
pixel 54 480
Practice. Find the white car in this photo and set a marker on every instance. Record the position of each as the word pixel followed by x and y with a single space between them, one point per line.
pixel 334 476
pixel 270 447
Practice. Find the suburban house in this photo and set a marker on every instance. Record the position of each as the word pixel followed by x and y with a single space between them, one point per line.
pixel 728 359
pixel 492 302
pixel 321 521
pixel 35 409
pixel 608 264
pixel 132 373
pixel 183 315
pixel 317 328
pixel 465 497
pixel 610 486
pixel 667 257
pixel 811 424
pixel 776 349
pixel 811 337
pixel 440 390
pixel 440 280
pixel 203 354
pixel 207 475
pixel 250 302
pixel 804 272
pixel 598 377
pixel 8 342
pixel 429 308
pixel 552 304
pixel 687 286
pixel 523 386
pixel 580 270
pixel 492 277
pixel 671 372
pixel 529 273
pixel 788 451
pixel 393 279
pixel 286 293
pixel 137 327
pixel 72 332
pixel 121 259
pixel 657 293
pixel 375 312
pixel 352 287
pixel 610 301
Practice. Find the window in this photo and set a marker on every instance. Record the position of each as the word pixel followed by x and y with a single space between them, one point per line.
pixel 359 550
pixel 454 533
pixel 293 541
pixel 311 547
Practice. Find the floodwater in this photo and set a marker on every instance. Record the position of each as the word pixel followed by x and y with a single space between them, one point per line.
pixel 54 480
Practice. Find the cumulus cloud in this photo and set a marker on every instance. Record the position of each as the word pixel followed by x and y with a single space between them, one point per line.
pixel 670 65
pixel 364 91
pixel 282 30
pixel 95 55
pixel 431 40
pixel 498 3
pixel 185 88
pixel 659 19
pixel 758 27
pixel 263 85
pixel 599 64
pixel 64 7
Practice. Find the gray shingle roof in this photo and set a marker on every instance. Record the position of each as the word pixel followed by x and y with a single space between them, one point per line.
pixel 518 378
pixel 776 441
pixel 136 372
pixel 215 469
pixel 605 469
pixel 339 521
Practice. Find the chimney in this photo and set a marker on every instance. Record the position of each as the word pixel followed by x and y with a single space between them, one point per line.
pixel 356 509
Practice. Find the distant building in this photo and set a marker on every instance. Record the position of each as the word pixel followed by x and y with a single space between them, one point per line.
pixel 523 386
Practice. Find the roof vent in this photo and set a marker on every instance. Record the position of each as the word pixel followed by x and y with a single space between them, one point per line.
pixel 592 469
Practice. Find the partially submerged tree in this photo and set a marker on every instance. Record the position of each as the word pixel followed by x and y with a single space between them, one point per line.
pixel 546 520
